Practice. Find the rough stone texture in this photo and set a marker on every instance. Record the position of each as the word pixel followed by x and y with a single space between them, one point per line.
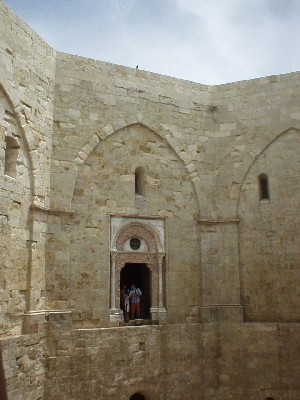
pixel 73 133
pixel 23 360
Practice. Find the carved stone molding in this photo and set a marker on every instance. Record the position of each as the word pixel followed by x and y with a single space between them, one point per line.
pixel 152 233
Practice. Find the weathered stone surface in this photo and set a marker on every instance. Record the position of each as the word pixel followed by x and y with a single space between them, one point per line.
pixel 178 164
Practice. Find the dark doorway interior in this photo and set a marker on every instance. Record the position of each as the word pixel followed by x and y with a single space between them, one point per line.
pixel 141 276
pixel 137 396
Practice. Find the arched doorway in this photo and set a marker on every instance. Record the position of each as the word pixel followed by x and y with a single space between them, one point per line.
pixel 137 254
pixel 137 396
pixel 140 275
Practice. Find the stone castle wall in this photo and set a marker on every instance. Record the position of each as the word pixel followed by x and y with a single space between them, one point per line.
pixel 73 132
pixel 194 361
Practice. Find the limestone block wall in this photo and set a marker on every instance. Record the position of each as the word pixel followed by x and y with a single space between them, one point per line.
pixel 217 132
pixel 106 185
pixel 127 131
pixel 23 360
pixel 27 73
pixel 72 133
pixel 250 361
pixel 270 274
pixel 249 117
pixel 159 362
pixel 27 70
pixel 193 361
pixel 256 122
pixel 93 99
pixel 15 229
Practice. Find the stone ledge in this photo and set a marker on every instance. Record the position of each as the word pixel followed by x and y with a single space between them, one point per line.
pixel 222 313
pixel 51 210
pixel 213 221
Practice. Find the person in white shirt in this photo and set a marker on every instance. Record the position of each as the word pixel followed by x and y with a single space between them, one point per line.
pixel 135 301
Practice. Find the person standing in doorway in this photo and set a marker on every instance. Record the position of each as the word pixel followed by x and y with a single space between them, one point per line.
pixel 125 302
pixel 135 301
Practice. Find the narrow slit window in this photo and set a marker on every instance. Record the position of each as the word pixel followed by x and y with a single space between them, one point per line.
pixel 264 192
pixel 140 181
pixel 11 156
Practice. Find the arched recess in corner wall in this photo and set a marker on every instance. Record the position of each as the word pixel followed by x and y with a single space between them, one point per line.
pixel 105 185
pixel 269 235
pixel 16 184
pixel 16 113
pixel 228 185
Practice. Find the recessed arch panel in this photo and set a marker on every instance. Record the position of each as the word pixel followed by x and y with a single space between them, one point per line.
pixel 269 233
pixel 106 186
pixel 16 185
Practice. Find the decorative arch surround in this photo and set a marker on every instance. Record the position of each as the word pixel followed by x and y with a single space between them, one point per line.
pixel 152 233
pixel 132 230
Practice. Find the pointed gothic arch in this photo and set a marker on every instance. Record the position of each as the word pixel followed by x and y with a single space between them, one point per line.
pixel 158 130
pixel 16 111
pixel 265 148
pixel 92 171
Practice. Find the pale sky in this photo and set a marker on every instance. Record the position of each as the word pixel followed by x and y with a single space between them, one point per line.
pixel 206 41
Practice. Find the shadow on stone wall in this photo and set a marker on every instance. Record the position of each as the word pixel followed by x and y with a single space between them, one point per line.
pixel 3 391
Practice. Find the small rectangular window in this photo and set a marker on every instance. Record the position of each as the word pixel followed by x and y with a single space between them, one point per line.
pixel 264 193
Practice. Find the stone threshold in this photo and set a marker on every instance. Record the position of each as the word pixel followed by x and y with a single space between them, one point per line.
pixel 139 322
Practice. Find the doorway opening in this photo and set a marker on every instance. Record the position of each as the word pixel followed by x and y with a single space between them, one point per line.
pixel 140 275
pixel 137 396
